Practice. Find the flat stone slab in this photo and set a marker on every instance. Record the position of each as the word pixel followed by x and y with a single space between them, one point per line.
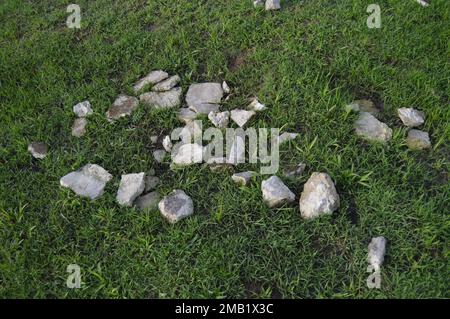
pixel 275 193
pixel 162 100
pixel 152 78
pixel 83 109
pixel 219 119
pixel 148 202
pixel 411 117
pixel 123 106
pixel 131 186
pixel 273 5
pixel 186 115
pixel 79 127
pixel 176 206
pixel 370 128
pixel 167 84
pixel 243 178
pixel 89 181
pixel 319 196
pixel 418 140
pixel 241 117
pixel 38 150
pixel 377 250
pixel 203 93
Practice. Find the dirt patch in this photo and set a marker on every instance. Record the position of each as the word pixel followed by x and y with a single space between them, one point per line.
pixel 236 61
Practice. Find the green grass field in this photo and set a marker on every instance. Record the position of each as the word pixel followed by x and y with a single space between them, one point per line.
pixel 305 62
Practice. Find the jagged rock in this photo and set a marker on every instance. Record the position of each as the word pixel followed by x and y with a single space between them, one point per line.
pixel 273 5
pixel 275 193
pixel 363 106
pixel 38 150
pixel 368 127
pixel 188 154
pixel 319 196
pixel 123 106
pixel 79 127
pixel 151 182
pixel 411 117
pixel 167 143
pixel 162 100
pixel 256 106
pixel 167 85
pixel 186 115
pixel 204 97
pixel 226 89
pixel 296 171
pixel 89 181
pixel 377 250
pixel 241 117
pixel 152 78
pixel 159 155
pixel 418 140
pixel 243 178
pixel 176 206
pixel 220 119
pixel 83 109
pixel 148 202
pixel 131 186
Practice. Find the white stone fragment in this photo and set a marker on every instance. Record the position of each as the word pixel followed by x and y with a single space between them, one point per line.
pixel 131 186
pixel 176 206
pixel 152 78
pixel 83 109
pixel 275 193
pixel 241 117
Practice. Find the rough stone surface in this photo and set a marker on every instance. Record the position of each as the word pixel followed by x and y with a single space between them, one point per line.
pixel 167 84
pixel 219 119
pixel 167 143
pixel 38 150
pixel 123 106
pixel 186 115
pixel 148 202
pixel 89 181
pixel 200 94
pixel 368 127
pixel 151 182
pixel 244 178
pixel 411 117
pixel 319 196
pixel 241 117
pixel 205 108
pixel 159 155
pixel 131 186
pixel 162 100
pixel 176 206
pixel 188 154
pixel 273 5
pixel 79 127
pixel 275 193
pixel 83 109
pixel 377 250
pixel 418 140
pixel 363 106
pixel 295 171
pixel 226 89
pixel 152 78
pixel 256 106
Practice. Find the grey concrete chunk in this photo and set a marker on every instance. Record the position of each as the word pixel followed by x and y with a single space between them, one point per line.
pixel 162 100
pixel 273 5
pixel 131 186
pixel 411 117
pixel 89 181
pixel 38 150
pixel 275 193
pixel 203 93
pixel 377 250
pixel 151 78
pixel 243 178
pixel 176 206
pixel 319 196
pixel 167 84
pixel 368 127
pixel 148 202
pixel 83 109
pixel 79 127
pixel 241 117
pixel 418 140
pixel 219 119
pixel 188 154
pixel 123 106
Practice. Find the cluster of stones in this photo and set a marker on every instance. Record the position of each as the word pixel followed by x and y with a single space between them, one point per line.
pixel 82 110
pixel 370 128
pixel 269 4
